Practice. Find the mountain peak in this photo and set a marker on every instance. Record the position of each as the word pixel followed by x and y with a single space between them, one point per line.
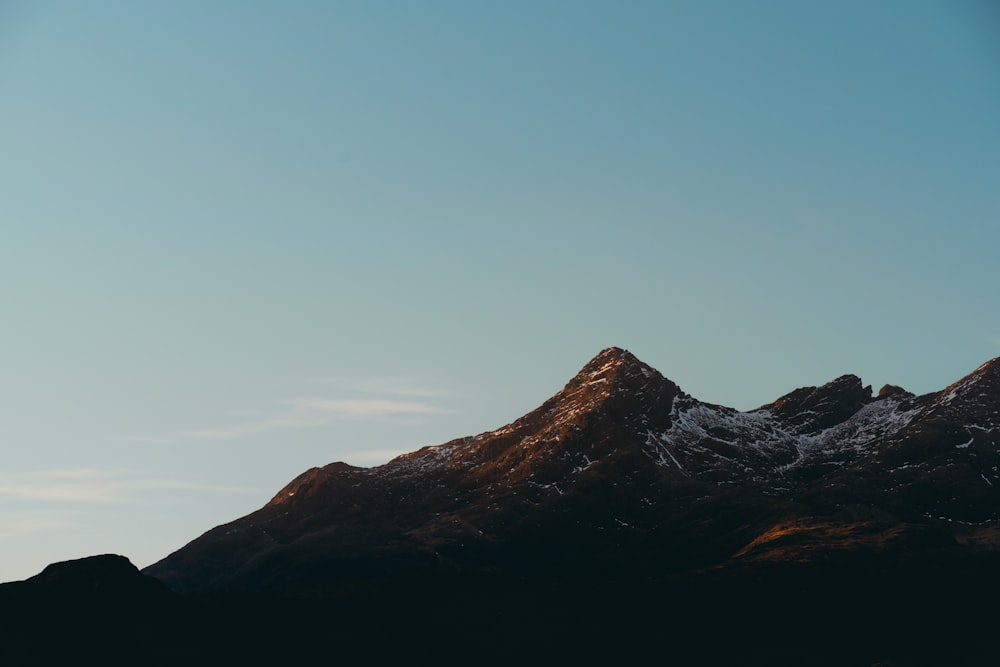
pixel 613 356
pixel 616 371
pixel 816 408
pixel 613 363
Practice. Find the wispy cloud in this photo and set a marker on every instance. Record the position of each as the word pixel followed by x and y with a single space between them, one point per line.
pixel 346 398
pixel 92 485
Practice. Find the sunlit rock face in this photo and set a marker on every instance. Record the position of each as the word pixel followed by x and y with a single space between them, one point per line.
pixel 622 469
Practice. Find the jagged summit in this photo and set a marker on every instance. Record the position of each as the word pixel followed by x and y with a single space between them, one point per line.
pixel 616 368
pixel 608 408
pixel 892 390
pixel 613 358
pixel 818 408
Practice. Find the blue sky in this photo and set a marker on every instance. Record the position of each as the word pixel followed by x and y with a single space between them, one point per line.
pixel 240 239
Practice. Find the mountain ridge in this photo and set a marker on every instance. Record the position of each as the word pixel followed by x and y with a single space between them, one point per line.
pixel 622 466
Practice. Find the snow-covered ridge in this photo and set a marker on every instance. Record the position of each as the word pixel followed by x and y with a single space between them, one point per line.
pixel 758 445
pixel 809 430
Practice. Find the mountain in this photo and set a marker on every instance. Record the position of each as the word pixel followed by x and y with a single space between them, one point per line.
pixel 621 521
pixel 623 471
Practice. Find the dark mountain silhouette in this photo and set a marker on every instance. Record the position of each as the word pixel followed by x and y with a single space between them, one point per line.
pixel 622 518
pixel 100 606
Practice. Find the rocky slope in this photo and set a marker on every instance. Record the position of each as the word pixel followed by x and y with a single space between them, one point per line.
pixel 623 470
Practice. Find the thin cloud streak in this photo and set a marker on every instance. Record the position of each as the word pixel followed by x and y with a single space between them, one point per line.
pixel 90 485
pixel 252 428
pixel 322 411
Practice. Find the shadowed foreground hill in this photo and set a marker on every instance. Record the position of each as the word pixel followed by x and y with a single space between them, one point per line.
pixel 847 613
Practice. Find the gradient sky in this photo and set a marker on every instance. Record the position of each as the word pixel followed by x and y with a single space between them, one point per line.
pixel 241 239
